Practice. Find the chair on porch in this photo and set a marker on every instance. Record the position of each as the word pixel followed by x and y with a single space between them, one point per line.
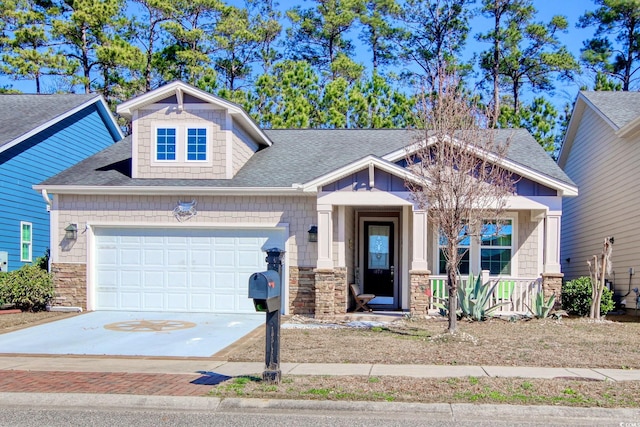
pixel 360 298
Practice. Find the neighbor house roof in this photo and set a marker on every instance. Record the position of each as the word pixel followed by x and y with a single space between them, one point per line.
pixel 296 157
pixel 620 110
pixel 22 116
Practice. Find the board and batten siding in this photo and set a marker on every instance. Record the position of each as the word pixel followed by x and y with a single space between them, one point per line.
pixel 34 160
pixel 606 169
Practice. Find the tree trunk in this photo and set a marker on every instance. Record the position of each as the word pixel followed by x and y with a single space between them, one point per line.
pixel 496 66
pixel 453 300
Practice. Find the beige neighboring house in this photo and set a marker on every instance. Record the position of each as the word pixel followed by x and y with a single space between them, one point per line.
pixel 601 154
pixel 178 215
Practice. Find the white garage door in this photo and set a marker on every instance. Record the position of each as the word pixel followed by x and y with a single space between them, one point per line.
pixel 185 270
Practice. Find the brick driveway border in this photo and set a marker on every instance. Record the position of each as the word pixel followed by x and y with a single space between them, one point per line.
pixel 108 383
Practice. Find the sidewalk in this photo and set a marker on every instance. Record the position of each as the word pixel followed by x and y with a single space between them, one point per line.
pixel 190 366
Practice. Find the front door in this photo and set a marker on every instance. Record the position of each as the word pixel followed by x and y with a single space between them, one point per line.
pixel 379 262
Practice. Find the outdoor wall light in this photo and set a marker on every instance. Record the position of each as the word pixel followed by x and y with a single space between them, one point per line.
pixel 71 232
pixel 313 233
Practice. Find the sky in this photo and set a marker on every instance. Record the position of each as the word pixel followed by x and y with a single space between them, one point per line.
pixel 572 9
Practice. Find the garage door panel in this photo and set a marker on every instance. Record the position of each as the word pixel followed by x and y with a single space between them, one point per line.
pixel 153 257
pixel 200 258
pixel 107 277
pixel 201 280
pixel 131 256
pixel 179 269
pixel 201 301
pixel 177 279
pixel 177 301
pixel 129 300
pixel 153 279
pixel 109 256
pixel 108 299
pixel 131 278
pixel 153 301
pixel 223 259
pixel 177 257
pixel 250 259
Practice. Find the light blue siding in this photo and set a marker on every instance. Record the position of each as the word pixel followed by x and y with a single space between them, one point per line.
pixel 36 159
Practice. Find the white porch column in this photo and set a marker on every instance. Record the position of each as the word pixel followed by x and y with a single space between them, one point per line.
pixel 419 261
pixel 325 237
pixel 342 236
pixel 552 242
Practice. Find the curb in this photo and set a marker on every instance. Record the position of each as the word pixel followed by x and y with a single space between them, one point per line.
pixel 452 411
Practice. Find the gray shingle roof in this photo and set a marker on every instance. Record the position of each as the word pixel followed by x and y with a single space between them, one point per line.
pixel 620 107
pixel 296 156
pixel 20 114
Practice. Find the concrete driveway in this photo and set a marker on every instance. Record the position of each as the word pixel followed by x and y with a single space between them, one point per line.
pixel 133 334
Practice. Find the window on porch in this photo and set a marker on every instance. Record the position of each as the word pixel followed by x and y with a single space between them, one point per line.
pixel 493 251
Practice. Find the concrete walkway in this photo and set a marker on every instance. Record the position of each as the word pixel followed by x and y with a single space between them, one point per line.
pixel 190 366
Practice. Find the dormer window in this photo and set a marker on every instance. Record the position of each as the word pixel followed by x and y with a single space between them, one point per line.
pixel 182 144
pixel 197 144
pixel 166 144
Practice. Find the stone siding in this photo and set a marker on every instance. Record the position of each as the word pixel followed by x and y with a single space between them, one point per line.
pixel 552 285
pixel 302 293
pixel 70 283
pixel 420 292
pixel 331 293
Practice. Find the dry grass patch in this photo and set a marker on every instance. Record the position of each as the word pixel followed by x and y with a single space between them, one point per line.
pixel 572 342
pixel 11 322
pixel 516 391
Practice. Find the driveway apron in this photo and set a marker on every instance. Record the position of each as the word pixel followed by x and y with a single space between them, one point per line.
pixel 133 334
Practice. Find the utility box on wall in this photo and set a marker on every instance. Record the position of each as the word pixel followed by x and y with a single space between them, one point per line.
pixel 4 261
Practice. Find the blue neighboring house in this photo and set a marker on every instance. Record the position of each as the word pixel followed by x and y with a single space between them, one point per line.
pixel 40 136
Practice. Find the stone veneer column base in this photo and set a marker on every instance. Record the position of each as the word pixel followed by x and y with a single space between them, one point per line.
pixel 331 292
pixel 552 285
pixel 70 284
pixel 302 292
pixel 420 292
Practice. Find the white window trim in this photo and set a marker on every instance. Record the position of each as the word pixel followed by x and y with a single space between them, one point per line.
pixel 30 242
pixel 182 130
pixel 186 143
pixel 155 144
pixel 475 247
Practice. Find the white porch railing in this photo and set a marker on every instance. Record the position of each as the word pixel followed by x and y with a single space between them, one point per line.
pixel 517 291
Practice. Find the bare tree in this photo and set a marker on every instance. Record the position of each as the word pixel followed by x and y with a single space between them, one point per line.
pixel 597 269
pixel 457 160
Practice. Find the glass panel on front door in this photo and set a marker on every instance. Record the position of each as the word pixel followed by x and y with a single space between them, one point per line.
pixel 379 251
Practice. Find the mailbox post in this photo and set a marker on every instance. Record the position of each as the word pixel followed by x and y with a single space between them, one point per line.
pixel 265 288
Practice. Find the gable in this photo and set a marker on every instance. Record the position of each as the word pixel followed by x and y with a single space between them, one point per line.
pixel 180 132
pixel 361 181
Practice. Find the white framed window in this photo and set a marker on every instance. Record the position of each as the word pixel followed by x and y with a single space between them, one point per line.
pixel 496 247
pixel 464 247
pixel 166 144
pixel 26 241
pixel 197 144
pixel 494 250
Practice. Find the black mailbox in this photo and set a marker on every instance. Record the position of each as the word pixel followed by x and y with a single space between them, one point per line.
pixel 264 288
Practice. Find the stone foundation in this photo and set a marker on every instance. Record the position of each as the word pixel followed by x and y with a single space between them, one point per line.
pixel 420 292
pixel 331 292
pixel 302 292
pixel 552 285
pixel 70 283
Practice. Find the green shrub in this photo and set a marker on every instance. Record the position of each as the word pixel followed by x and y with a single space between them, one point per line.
pixel 30 288
pixel 576 297
pixel 43 261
